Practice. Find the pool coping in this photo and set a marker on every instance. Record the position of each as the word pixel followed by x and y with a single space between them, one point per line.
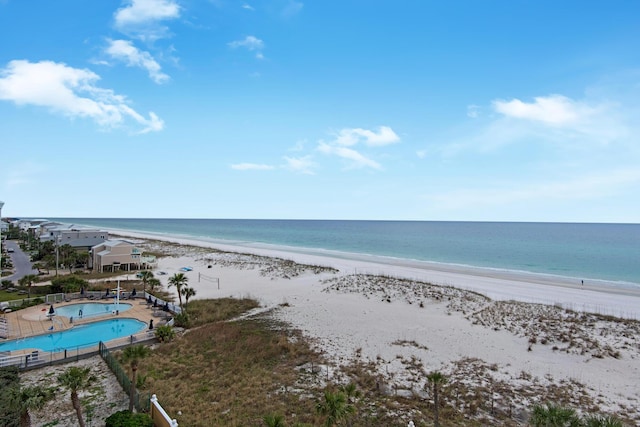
pixel 21 323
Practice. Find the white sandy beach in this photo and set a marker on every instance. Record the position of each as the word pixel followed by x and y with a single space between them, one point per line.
pixel 367 312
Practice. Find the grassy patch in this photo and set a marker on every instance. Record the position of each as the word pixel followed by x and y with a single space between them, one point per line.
pixel 229 373
pixel 202 312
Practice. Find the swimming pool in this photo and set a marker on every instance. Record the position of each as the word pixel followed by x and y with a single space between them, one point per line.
pixel 79 336
pixel 89 309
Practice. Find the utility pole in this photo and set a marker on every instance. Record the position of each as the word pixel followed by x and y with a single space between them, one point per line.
pixel 57 256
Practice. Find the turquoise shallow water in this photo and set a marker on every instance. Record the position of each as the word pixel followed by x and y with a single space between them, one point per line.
pixel 609 252
pixel 90 309
pixel 79 336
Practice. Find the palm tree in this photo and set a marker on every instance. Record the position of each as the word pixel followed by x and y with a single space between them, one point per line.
pixel 27 281
pixel 76 379
pixel 553 415
pixel 436 379
pixel 68 255
pixel 274 420
pixel 153 282
pixel 188 293
pixel 26 399
pixel 133 355
pixel 351 392
pixel 82 257
pixel 178 280
pixel 145 275
pixel 335 407
pixel 602 421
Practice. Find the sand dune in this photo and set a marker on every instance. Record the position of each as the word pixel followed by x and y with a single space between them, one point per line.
pixel 508 334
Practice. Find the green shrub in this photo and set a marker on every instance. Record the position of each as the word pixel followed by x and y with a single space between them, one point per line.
pixel 128 419
pixel 182 320
pixel 68 284
pixel 165 333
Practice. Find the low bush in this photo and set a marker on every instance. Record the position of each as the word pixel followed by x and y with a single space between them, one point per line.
pixel 128 419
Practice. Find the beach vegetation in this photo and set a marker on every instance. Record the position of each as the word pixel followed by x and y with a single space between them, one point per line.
pixel 165 333
pixel 9 411
pixel 133 355
pixel 128 419
pixel 76 379
pixel 187 292
pixel 26 399
pixel 145 276
pixel 154 283
pixel 178 280
pixel 436 379
pixel 274 420
pixel 67 284
pixel 27 281
pixel 602 421
pixel 552 415
pixel 182 320
pixel 334 406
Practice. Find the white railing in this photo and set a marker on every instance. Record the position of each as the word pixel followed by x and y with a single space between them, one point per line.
pixel 159 415
pixel 36 358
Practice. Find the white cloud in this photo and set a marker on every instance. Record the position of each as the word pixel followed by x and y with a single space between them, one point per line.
pixel 556 110
pixel 251 166
pixel 349 137
pixel 356 159
pixel 300 164
pixel 141 18
pixel 125 51
pixel 247 7
pixel 384 136
pixel 250 42
pixel 69 91
pixel 145 11
pixel 549 121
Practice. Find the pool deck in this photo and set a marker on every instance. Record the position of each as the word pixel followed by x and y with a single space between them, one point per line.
pixel 34 320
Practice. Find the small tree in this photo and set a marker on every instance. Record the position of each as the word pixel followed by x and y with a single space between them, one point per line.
pixel 153 282
pixel 436 379
pixel 553 415
pixel 602 421
pixel 145 275
pixel 27 281
pixel 187 292
pixel 179 280
pixel 133 355
pixel 165 333
pixel 76 379
pixel 335 407
pixel 27 399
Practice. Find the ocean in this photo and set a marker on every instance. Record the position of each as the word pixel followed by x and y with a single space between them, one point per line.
pixel 603 252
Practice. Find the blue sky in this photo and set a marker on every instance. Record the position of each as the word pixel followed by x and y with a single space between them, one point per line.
pixel 412 110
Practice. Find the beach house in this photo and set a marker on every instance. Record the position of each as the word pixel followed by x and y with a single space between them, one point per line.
pixel 114 255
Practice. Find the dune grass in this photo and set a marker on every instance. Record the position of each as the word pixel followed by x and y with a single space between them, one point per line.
pixel 229 373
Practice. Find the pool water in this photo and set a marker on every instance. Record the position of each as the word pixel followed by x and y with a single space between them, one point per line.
pixel 90 309
pixel 79 336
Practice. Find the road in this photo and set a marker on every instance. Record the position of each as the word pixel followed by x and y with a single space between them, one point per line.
pixel 21 262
